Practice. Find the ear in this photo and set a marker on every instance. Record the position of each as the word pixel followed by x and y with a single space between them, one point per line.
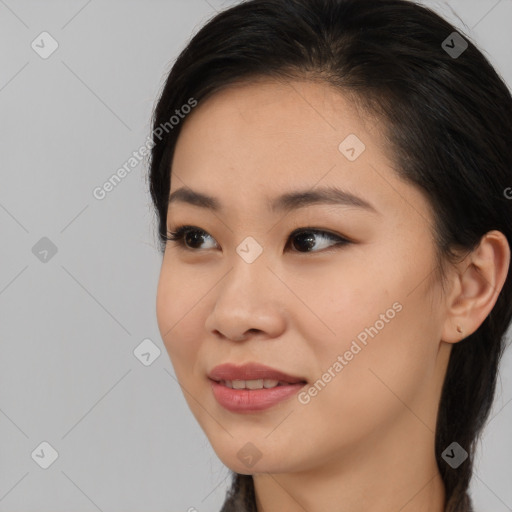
pixel 477 282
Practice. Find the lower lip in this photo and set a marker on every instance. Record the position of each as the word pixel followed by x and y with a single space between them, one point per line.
pixel 251 400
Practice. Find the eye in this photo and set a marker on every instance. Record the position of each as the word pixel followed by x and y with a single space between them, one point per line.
pixel 182 233
pixel 188 237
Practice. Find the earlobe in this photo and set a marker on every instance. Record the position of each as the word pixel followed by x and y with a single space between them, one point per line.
pixel 480 278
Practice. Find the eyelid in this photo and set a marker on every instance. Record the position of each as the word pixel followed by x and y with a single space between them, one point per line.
pixel 323 231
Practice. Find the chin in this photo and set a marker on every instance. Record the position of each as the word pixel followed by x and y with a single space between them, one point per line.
pixel 248 459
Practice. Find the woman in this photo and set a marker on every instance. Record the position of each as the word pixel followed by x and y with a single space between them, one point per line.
pixel 332 180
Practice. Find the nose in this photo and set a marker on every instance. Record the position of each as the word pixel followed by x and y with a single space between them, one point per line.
pixel 248 302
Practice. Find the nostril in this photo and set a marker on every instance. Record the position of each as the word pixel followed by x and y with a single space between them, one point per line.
pixel 250 331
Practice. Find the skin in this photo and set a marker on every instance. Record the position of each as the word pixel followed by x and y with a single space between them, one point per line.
pixel 365 442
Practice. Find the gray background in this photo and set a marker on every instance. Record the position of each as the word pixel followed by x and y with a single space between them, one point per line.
pixel 125 438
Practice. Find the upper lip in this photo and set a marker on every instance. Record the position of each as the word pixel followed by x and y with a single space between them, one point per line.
pixel 251 371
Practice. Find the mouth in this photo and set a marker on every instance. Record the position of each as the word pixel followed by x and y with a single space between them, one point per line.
pixel 253 387
pixel 252 376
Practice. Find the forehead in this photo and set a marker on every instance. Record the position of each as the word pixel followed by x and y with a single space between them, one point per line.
pixel 252 142
pixel 278 129
pixel 278 110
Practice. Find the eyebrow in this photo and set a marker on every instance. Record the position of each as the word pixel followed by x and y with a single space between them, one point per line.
pixel 283 203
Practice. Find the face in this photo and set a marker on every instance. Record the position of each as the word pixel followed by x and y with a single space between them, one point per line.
pixel 347 303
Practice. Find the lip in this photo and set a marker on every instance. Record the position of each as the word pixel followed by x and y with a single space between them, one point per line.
pixel 252 400
pixel 251 371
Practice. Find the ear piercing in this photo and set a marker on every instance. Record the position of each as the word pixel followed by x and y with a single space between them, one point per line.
pixel 459 329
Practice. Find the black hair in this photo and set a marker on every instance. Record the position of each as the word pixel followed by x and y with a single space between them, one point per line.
pixel 447 116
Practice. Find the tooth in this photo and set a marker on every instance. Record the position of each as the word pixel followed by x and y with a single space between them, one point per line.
pixel 238 384
pixel 254 384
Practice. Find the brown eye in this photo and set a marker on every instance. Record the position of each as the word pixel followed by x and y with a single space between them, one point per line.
pixel 307 238
pixel 187 237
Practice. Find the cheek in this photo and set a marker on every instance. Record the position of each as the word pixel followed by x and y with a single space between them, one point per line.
pixel 387 336
pixel 165 305
pixel 382 381
pixel 175 303
pixel 344 301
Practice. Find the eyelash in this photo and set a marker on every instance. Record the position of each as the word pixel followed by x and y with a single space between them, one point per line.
pixel 178 236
